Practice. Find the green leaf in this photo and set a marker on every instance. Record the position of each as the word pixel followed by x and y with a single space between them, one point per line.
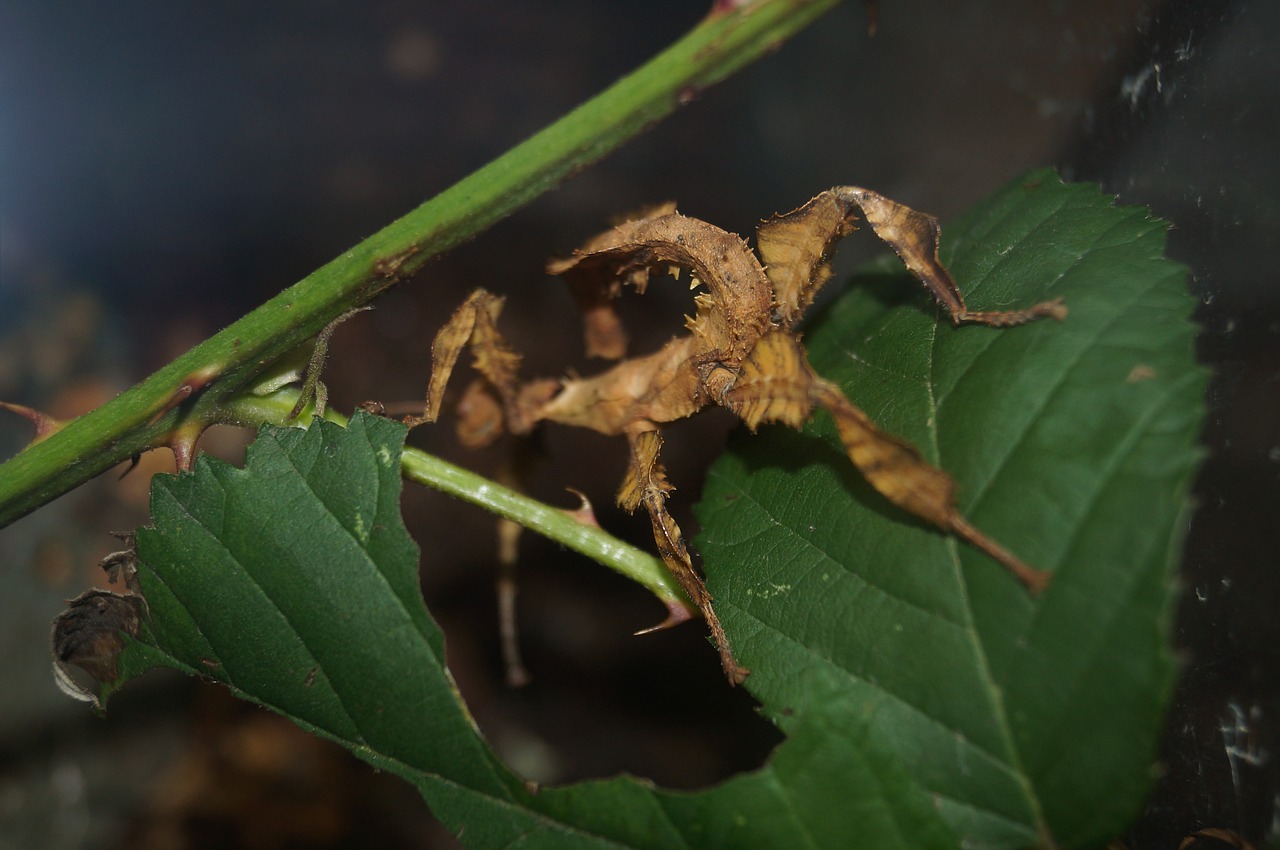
pixel 928 701
pixel 294 582
pixel 1072 443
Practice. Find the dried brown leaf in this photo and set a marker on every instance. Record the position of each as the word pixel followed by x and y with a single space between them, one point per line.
pixel 89 635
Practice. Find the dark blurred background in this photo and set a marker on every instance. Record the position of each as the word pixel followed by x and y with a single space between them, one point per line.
pixel 166 167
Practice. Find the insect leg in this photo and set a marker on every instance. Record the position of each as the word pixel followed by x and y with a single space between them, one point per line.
pixel 474 324
pixel 797 247
pixel 902 476
pixel 646 484
pixel 913 235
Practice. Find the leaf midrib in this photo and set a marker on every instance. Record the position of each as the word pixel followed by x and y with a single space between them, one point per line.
pixel 983 752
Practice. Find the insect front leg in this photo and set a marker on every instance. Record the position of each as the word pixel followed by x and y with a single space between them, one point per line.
pixel 487 405
pixel 474 324
pixel 646 484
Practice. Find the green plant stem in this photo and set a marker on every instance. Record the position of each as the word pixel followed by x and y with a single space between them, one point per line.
pixel 251 410
pixel 176 402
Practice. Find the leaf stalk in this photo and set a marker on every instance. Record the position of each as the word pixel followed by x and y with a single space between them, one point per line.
pixel 276 408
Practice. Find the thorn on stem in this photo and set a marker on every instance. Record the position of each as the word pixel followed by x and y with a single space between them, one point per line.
pixel 42 422
pixel 133 464
pixel 182 441
pixel 584 513
pixel 678 611
pixel 192 384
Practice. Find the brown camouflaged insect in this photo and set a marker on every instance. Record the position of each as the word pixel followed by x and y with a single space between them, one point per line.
pixel 742 352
